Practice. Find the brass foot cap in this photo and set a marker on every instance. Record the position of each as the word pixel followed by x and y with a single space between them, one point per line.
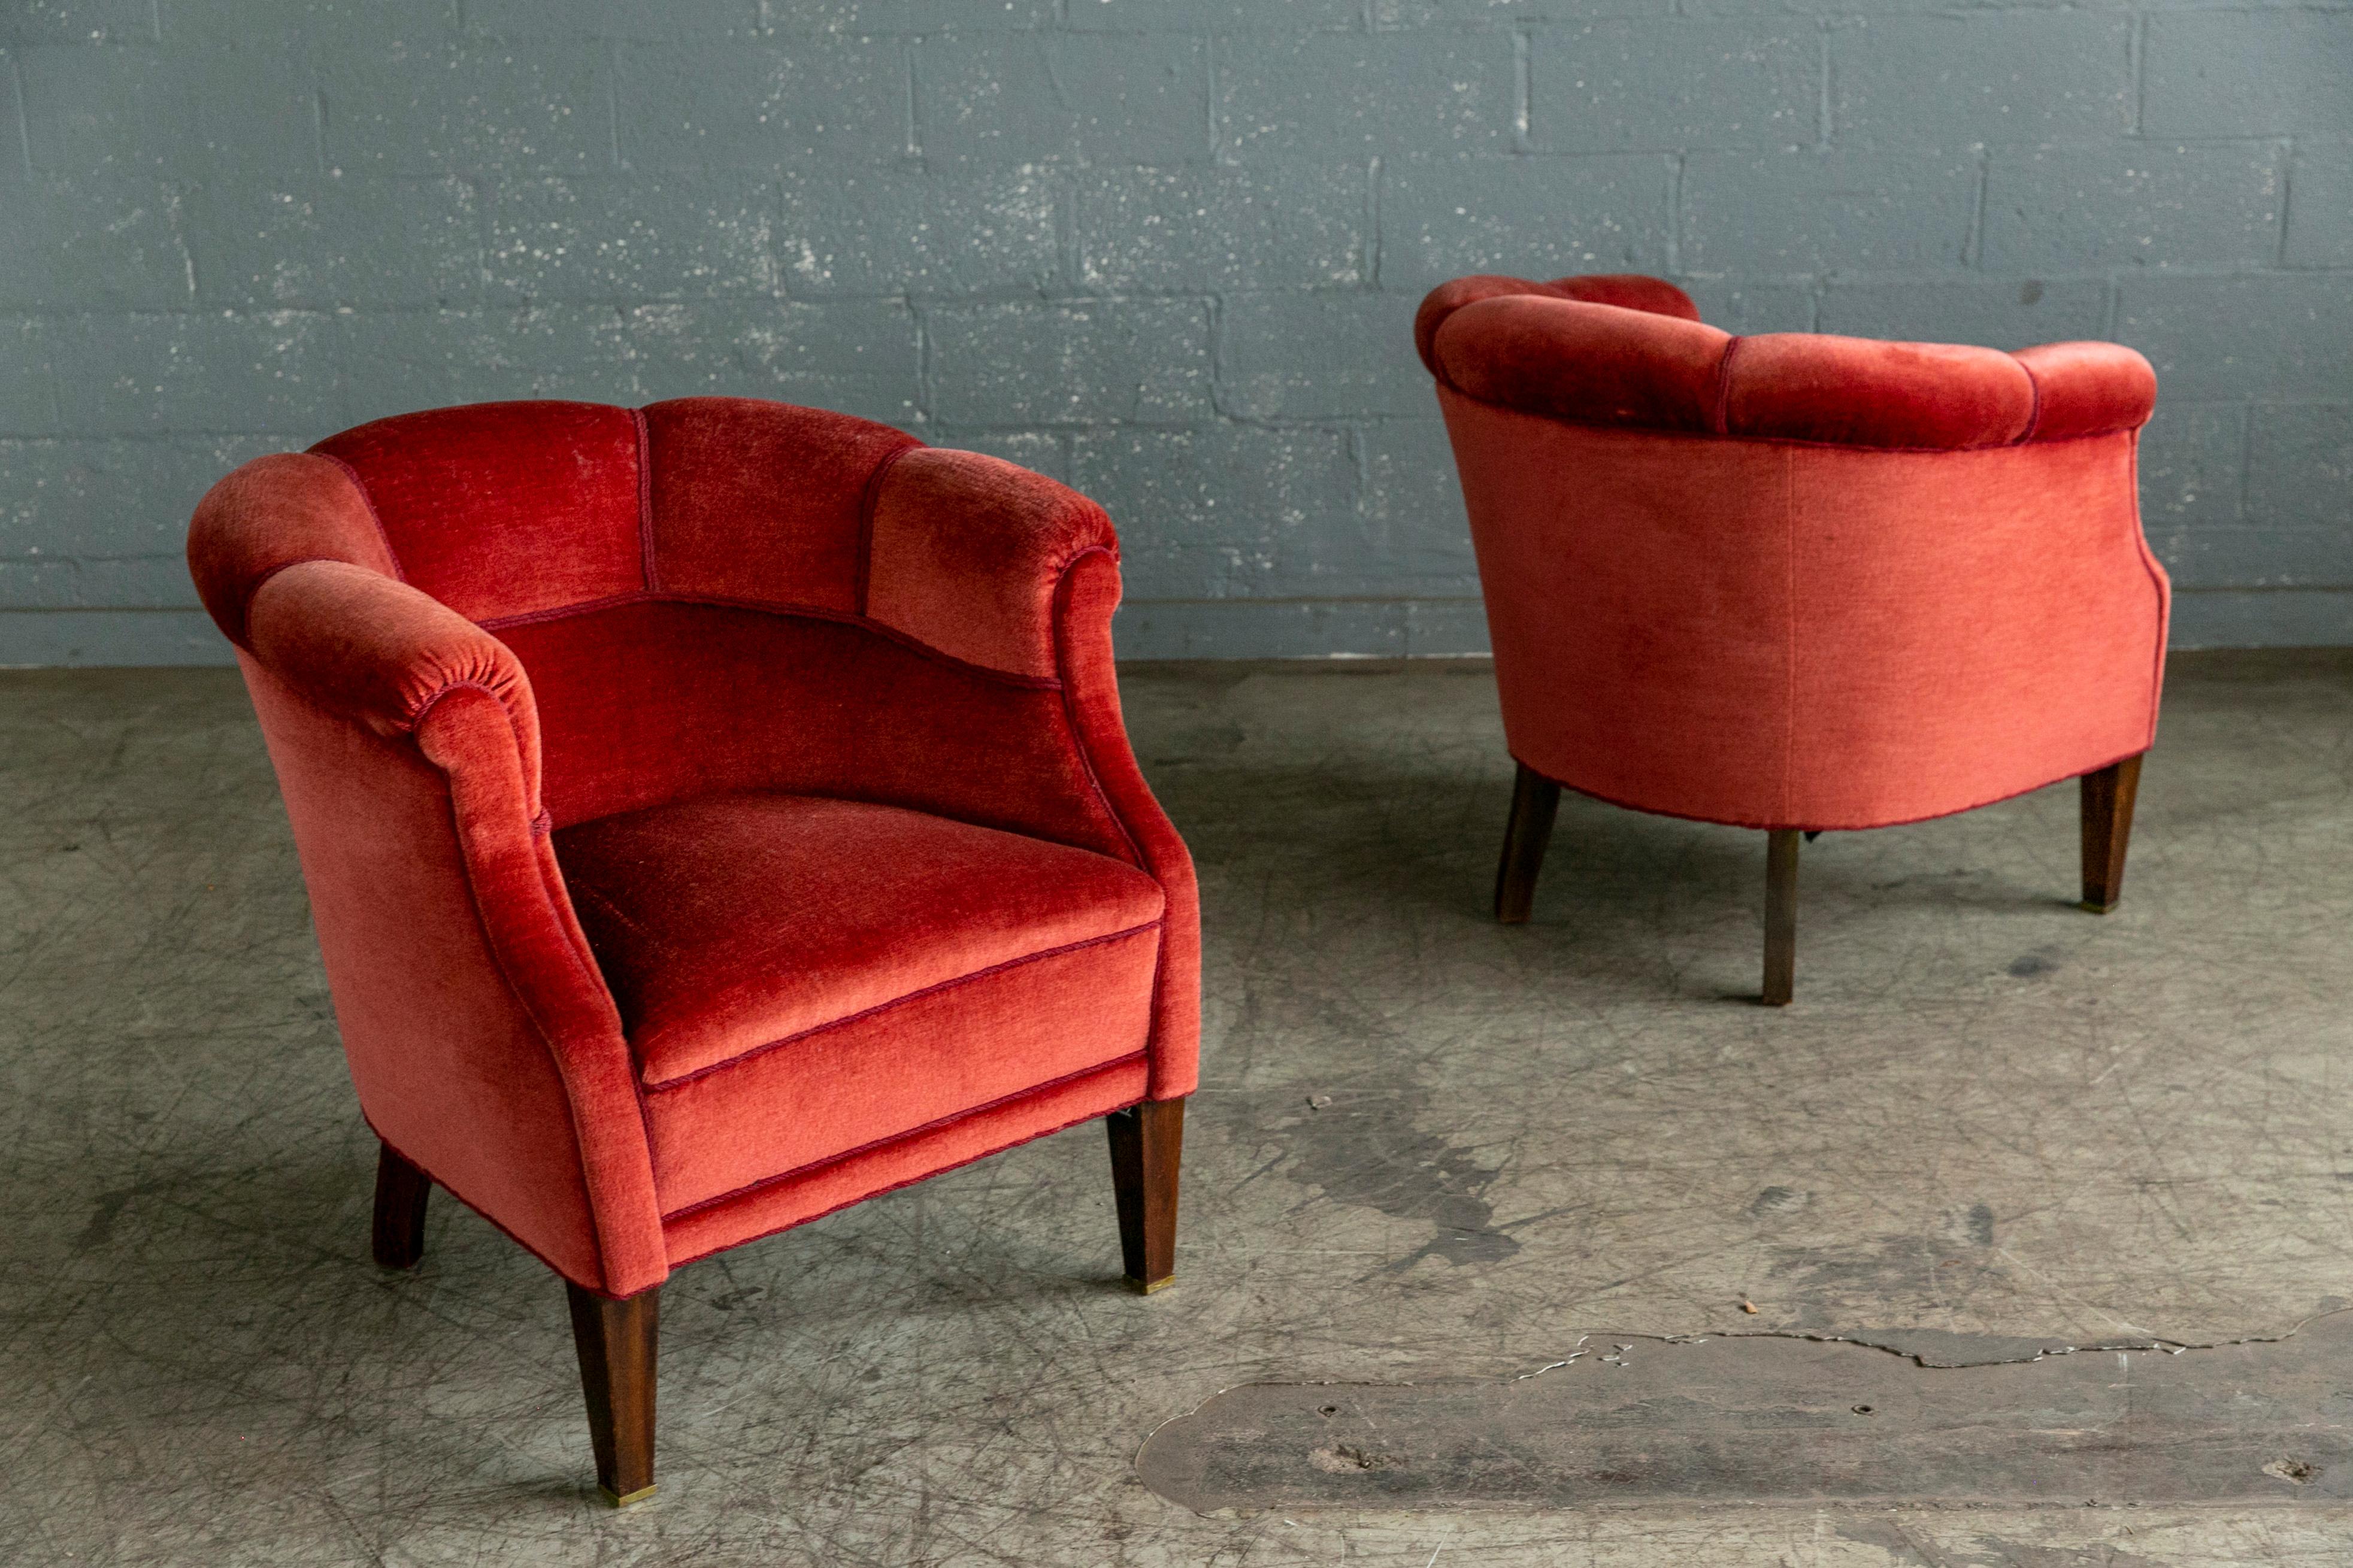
pixel 622 1499
pixel 2096 909
pixel 1145 1287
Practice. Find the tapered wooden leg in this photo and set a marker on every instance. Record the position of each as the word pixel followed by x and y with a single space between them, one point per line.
pixel 401 1191
pixel 1780 916
pixel 2107 831
pixel 1147 1143
pixel 616 1340
pixel 1534 798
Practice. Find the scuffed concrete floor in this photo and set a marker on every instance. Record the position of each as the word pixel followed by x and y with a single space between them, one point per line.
pixel 1425 1146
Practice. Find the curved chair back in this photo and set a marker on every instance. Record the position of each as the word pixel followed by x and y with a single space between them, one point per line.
pixel 1795 579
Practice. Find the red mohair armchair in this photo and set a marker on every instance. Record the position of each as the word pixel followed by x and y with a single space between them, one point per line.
pixel 1798 582
pixel 714 814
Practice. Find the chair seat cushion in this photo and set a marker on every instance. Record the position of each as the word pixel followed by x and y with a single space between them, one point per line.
pixel 802 977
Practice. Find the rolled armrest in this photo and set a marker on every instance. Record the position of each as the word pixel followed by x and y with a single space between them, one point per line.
pixel 966 554
pixel 360 645
pixel 275 512
pixel 360 650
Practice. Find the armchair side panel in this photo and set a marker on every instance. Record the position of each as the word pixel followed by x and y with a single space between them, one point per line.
pixel 450 1069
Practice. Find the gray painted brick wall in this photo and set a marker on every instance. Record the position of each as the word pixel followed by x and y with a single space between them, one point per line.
pixel 1168 250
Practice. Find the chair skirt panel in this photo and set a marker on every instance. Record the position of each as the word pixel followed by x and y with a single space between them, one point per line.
pixel 1788 634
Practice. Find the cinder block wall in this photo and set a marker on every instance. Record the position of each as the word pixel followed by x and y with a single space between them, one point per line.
pixel 1164 250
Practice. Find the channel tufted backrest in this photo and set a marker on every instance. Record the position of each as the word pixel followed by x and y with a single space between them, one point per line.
pixel 508 509
pixel 504 508
pixel 699 597
pixel 763 502
pixel 1579 350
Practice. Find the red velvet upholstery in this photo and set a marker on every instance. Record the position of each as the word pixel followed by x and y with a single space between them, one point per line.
pixel 819 724
pixel 1797 581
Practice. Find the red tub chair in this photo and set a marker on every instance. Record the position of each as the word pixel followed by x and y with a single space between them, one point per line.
pixel 714 814
pixel 1797 582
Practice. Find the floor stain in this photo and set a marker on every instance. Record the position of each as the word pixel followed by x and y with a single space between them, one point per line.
pixel 1782 1419
pixel 1363 1148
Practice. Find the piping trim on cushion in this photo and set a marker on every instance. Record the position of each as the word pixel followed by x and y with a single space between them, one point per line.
pixel 2034 409
pixel 1131 1059
pixel 648 570
pixel 740 1057
pixel 801 612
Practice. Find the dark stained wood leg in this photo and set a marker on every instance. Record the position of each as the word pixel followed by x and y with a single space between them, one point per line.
pixel 1780 916
pixel 401 1191
pixel 2107 831
pixel 1534 798
pixel 1147 1144
pixel 616 1340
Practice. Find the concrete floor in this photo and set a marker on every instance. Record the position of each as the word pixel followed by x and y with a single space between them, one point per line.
pixel 1425 1148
